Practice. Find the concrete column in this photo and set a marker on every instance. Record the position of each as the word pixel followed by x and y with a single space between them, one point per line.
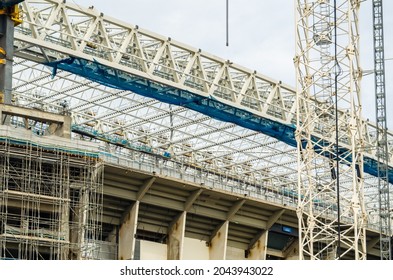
pixel 259 249
pixel 176 238
pixel 77 229
pixel 218 244
pixel 65 229
pixel 127 233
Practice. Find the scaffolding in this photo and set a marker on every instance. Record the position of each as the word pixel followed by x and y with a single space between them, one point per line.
pixel 50 201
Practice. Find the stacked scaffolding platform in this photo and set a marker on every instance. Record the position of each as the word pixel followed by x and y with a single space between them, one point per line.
pixel 50 198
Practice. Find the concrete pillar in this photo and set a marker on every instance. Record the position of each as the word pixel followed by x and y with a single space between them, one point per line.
pixel 127 233
pixel 176 238
pixel 259 249
pixel 65 229
pixel 61 129
pixel 218 244
pixel 77 228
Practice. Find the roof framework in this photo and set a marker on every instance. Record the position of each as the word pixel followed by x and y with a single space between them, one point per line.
pixel 54 31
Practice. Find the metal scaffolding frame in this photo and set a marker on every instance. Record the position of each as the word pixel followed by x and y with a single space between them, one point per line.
pixel 50 200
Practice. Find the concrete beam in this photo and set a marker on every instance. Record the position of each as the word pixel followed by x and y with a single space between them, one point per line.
pixel 258 245
pixel 274 218
pixel 374 252
pixel 163 202
pixel 110 220
pixel 372 243
pixel 259 249
pixel 59 125
pixel 249 221
pixel 235 207
pixel 146 226
pixel 119 193
pixel 275 253
pixel 191 199
pixel 255 239
pixel 176 237
pixel 292 252
pixel 218 244
pixel 146 186
pixel 127 233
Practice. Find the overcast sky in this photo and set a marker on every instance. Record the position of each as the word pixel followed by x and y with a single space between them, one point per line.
pixel 261 34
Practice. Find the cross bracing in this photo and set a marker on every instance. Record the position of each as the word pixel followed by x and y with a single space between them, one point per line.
pixel 255 141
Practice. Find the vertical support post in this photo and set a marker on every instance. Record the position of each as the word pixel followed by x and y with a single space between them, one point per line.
pixel 65 229
pixel 218 244
pixel 127 233
pixel 176 237
pixel 382 142
pixel 79 225
pixel 6 57
pixel 258 251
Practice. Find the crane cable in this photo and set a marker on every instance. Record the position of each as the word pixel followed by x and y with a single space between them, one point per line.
pixel 227 23
pixel 336 74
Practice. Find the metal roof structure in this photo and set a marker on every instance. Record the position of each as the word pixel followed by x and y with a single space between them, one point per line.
pixel 133 90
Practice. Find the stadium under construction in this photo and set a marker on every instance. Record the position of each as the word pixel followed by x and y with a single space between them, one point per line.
pixel 119 143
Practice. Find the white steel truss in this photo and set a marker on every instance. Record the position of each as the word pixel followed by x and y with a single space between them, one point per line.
pixel 53 30
pixel 328 77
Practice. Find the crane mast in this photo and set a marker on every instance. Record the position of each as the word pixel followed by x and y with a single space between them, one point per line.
pixel 331 207
pixel 382 142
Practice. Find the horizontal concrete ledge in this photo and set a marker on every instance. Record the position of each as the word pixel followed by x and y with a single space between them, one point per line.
pixel 32 114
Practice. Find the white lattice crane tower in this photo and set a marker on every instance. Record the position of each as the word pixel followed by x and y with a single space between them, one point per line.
pixel 329 134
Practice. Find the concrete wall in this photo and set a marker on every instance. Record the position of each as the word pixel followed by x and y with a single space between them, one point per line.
pixel 153 251
pixel 194 249
pixel 235 254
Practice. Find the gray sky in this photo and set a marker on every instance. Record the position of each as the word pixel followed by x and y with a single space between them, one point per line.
pixel 261 34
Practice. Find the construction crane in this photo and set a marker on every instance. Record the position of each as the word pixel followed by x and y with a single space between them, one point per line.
pixel 328 103
pixel 9 17
pixel 328 77
pixel 381 123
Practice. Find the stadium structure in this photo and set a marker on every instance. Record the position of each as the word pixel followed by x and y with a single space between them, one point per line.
pixel 119 143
